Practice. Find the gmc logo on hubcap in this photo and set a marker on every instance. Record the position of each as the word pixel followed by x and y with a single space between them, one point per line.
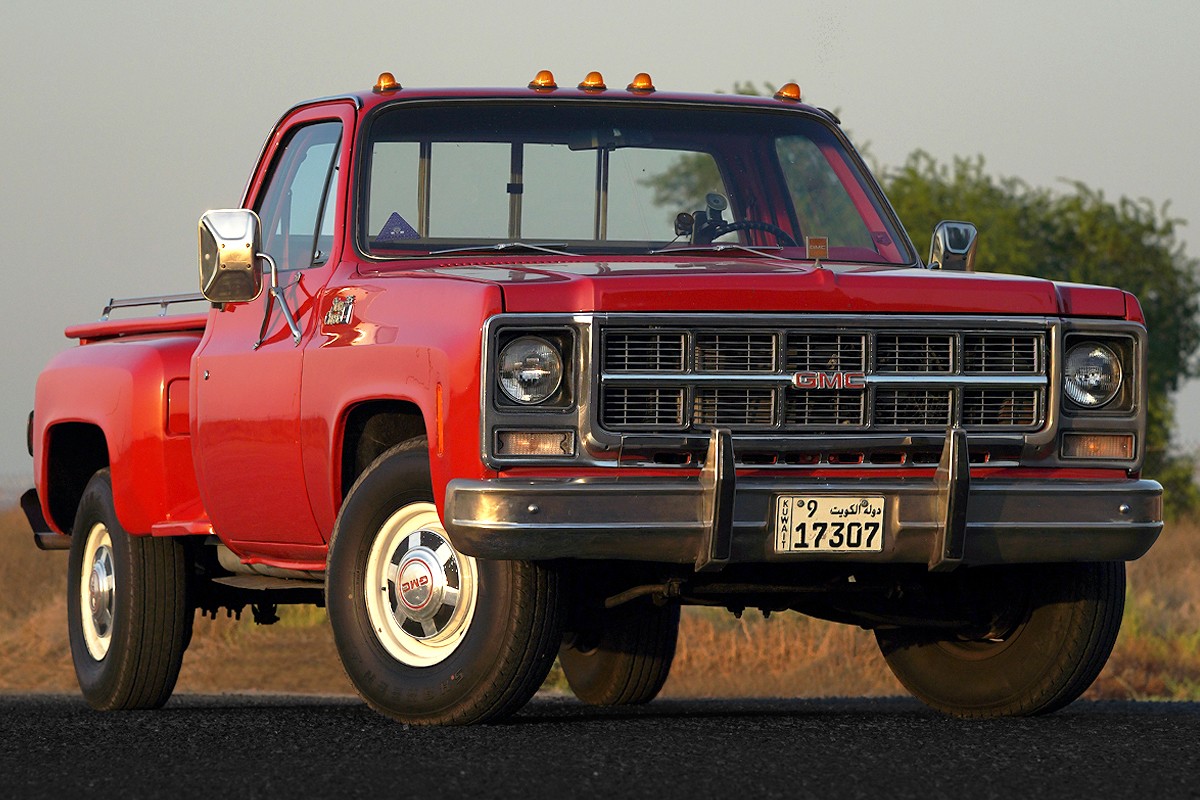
pixel 829 380
pixel 415 583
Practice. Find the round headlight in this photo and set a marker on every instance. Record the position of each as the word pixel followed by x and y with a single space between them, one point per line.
pixel 1092 376
pixel 530 369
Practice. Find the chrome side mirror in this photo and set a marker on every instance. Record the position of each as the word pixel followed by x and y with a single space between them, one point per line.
pixel 230 242
pixel 953 246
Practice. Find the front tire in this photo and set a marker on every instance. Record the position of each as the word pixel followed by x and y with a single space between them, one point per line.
pixel 128 615
pixel 426 634
pixel 1055 626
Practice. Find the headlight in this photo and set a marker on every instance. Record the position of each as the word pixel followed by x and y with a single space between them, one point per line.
pixel 1092 376
pixel 530 370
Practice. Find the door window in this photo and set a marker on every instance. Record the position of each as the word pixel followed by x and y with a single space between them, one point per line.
pixel 298 204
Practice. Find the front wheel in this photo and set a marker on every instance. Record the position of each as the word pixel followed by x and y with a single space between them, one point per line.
pixel 426 634
pixel 128 616
pixel 1053 628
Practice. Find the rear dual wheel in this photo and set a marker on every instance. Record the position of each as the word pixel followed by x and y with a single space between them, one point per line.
pixel 1053 630
pixel 128 615
pixel 426 634
pixel 621 656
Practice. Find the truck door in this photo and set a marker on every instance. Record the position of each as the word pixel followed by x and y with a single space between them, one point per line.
pixel 247 371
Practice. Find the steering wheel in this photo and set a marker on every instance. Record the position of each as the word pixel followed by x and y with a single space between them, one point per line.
pixel 783 237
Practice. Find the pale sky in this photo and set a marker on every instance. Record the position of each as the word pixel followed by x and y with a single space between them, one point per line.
pixel 123 122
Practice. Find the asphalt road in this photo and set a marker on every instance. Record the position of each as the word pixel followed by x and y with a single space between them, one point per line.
pixel 269 746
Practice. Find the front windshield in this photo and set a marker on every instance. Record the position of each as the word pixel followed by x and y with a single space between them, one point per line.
pixel 593 177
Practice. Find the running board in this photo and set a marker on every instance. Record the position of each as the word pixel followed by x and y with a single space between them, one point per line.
pixel 264 583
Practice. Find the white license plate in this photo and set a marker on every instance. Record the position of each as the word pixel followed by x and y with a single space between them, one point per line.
pixel 828 524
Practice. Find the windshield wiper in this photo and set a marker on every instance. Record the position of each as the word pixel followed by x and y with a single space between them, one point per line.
pixel 761 252
pixel 500 247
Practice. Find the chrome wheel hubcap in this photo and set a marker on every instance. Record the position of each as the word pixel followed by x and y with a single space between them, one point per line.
pixel 420 592
pixel 97 590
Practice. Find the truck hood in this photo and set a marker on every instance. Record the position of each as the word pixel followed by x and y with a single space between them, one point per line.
pixel 537 286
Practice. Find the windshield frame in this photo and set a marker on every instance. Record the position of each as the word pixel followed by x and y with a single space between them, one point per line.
pixel 853 162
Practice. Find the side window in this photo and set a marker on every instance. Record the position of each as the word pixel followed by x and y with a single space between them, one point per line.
pixel 297 205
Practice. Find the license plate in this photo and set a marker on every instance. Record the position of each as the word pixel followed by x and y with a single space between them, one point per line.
pixel 828 524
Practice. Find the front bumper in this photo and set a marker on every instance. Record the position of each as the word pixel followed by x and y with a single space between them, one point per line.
pixel 709 521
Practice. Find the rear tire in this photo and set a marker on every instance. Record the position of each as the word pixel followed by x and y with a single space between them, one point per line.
pixel 426 634
pixel 621 656
pixel 128 615
pixel 1057 626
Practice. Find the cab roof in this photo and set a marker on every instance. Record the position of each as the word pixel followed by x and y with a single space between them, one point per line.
pixel 387 89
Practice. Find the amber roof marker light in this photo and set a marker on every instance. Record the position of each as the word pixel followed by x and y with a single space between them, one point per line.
pixel 789 93
pixel 386 83
pixel 641 84
pixel 594 82
pixel 543 81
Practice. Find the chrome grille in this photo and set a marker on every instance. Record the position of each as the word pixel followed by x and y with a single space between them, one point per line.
pixel 643 351
pixel 674 378
pixel 825 351
pixel 912 407
pixel 906 352
pixel 1000 407
pixel 735 408
pixel 735 352
pixel 642 407
pixel 824 410
pixel 1018 354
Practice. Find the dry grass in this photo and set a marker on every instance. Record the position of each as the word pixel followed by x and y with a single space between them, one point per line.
pixel 1158 653
pixel 1157 656
pixel 787 655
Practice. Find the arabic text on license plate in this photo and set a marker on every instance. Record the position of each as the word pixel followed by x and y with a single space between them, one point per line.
pixel 828 524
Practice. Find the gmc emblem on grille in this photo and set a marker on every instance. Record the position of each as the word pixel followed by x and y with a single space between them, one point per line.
pixel 829 380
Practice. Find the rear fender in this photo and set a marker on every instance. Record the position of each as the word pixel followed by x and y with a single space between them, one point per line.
pixel 122 403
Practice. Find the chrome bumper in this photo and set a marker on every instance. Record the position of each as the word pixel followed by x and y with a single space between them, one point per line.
pixel 717 519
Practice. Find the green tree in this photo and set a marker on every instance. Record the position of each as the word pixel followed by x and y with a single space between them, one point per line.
pixel 1080 236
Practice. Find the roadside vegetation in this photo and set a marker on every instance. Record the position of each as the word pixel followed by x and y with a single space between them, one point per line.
pixel 1157 656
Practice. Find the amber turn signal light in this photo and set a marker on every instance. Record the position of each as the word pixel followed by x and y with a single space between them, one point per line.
pixel 1117 446
pixel 535 443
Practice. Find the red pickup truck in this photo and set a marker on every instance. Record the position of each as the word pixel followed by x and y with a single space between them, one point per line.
pixel 503 375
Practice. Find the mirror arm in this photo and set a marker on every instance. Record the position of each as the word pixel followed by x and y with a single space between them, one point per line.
pixel 276 295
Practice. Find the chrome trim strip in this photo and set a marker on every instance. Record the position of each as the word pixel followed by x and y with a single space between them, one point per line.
pixel 785 379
